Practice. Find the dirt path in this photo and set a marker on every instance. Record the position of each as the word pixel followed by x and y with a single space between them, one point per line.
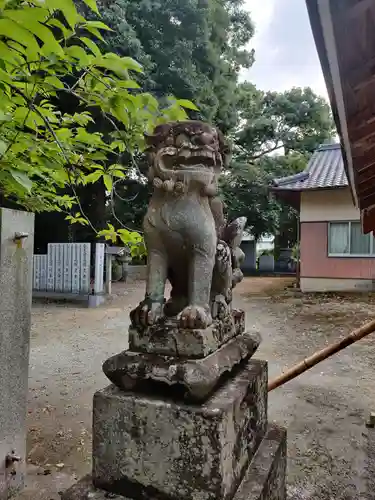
pixel 324 410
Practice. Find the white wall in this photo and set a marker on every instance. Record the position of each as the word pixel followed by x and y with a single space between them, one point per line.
pixel 328 205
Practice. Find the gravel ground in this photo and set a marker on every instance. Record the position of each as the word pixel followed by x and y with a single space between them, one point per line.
pixel 324 409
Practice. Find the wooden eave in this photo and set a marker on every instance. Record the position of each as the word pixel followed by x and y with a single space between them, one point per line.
pixel 344 32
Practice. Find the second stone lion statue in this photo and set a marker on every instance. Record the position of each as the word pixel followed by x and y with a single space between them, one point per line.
pixel 188 240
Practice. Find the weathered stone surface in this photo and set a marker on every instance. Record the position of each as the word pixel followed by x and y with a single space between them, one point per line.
pixel 145 447
pixel 198 377
pixel 188 239
pixel 16 261
pixel 264 478
pixel 168 338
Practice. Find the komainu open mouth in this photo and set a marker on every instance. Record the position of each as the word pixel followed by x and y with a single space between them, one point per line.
pixel 189 157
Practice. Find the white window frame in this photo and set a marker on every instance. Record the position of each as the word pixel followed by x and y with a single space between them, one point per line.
pixel 349 255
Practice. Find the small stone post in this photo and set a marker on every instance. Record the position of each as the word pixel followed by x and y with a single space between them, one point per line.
pixel 108 273
pixel 98 297
pixel 16 268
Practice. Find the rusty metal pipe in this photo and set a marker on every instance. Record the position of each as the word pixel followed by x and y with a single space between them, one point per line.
pixel 321 355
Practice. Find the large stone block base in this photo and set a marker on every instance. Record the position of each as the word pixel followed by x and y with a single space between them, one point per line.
pixel 158 447
pixel 179 450
pixel 263 480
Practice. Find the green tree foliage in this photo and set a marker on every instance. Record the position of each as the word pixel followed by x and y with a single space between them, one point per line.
pixel 295 120
pixel 277 134
pixel 47 155
pixel 190 48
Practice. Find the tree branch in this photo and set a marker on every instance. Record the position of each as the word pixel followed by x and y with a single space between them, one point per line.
pixel 264 153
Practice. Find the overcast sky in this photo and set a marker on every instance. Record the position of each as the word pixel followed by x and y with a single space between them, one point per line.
pixel 284 47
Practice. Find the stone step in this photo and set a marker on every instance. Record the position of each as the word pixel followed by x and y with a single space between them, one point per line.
pixel 265 478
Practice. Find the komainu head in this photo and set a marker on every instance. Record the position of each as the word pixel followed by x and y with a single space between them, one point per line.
pixel 182 153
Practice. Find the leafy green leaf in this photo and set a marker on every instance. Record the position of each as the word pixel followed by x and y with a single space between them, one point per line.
pixel 27 14
pixel 46 36
pixel 5 78
pixel 54 82
pixel 95 32
pixel 67 7
pixel 93 177
pixel 92 5
pixel 12 30
pixel 130 236
pixel 185 103
pixel 127 84
pixel 77 219
pixel 91 45
pixel 118 173
pixel 78 53
pixel 109 234
pixel 83 118
pixel 63 134
pixel 9 55
pixel 131 64
pixel 22 179
pixel 58 24
pixel 98 25
pixel 108 182
pixel 114 64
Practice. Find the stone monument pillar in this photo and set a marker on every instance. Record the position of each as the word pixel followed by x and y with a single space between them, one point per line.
pixel 16 268
pixel 186 415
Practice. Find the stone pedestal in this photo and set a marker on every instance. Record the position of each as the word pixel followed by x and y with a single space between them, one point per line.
pixel 155 446
pixel 181 451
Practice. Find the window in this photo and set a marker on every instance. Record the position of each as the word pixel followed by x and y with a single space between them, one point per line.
pixel 346 239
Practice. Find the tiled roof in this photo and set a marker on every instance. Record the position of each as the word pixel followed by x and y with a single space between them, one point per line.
pixel 324 170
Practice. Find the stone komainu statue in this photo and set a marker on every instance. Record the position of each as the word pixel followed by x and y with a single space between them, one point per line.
pixel 186 235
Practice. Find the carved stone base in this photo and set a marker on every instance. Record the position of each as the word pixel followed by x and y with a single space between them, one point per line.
pixel 263 480
pixel 175 449
pixel 169 339
pixel 196 377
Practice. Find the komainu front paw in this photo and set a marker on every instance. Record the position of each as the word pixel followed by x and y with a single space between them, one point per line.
pixel 195 317
pixel 146 314
pixel 174 306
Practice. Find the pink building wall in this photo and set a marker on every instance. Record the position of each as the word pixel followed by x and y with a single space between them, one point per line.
pixel 315 262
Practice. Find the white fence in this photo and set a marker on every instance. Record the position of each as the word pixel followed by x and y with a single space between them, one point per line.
pixel 65 269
